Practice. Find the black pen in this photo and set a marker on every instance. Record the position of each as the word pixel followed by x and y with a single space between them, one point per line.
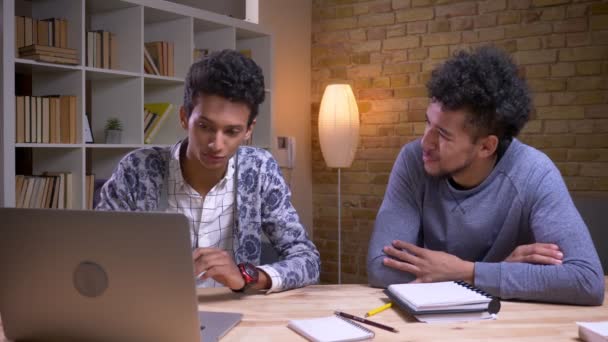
pixel 366 321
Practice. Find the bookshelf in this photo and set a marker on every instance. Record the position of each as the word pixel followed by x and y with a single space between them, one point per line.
pixel 120 91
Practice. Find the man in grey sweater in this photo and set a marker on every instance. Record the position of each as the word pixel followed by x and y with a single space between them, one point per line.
pixel 470 202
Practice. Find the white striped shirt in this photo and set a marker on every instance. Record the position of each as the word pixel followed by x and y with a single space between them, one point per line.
pixel 211 216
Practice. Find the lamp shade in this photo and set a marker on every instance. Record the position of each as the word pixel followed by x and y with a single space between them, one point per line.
pixel 338 125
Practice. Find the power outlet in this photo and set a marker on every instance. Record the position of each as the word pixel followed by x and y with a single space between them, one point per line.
pixel 286 152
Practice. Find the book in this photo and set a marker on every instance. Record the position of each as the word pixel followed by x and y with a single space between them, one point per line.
pixel 332 328
pixel 163 110
pixel 446 298
pixel 593 331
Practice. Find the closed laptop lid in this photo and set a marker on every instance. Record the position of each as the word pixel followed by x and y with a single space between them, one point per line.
pixel 96 276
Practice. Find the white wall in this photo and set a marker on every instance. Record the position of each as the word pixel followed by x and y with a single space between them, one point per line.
pixel 290 22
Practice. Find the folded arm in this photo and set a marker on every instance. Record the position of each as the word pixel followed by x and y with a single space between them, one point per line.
pixel 578 279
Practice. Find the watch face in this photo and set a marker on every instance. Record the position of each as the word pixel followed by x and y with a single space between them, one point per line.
pixel 251 271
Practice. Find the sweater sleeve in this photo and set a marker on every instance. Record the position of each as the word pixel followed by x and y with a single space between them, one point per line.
pixel 115 194
pixel 398 218
pixel 300 262
pixel 553 219
pixel 136 182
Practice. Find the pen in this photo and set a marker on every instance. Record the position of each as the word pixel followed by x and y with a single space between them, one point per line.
pixel 366 321
pixel 200 275
pixel 379 309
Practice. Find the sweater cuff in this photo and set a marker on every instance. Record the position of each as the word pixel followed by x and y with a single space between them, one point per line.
pixel 487 277
pixel 275 278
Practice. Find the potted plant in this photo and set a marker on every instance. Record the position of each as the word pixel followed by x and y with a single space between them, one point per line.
pixel 113 131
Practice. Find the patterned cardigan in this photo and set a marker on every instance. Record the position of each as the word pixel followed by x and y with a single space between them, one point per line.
pixel 262 203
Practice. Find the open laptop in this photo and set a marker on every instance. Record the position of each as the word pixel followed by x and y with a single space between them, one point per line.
pixel 101 276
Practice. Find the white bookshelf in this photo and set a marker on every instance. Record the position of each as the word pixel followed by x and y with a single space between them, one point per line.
pixel 120 92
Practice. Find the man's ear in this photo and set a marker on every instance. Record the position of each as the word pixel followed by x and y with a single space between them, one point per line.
pixel 249 131
pixel 489 145
pixel 183 117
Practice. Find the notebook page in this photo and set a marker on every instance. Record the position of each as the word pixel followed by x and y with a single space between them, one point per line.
pixel 328 329
pixel 430 295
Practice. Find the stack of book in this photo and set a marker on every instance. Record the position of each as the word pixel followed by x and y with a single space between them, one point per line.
pixel 46 119
pixel 102 50
pixel 155 114
pixel 43 40
pixel 158 58
pixel 49 190
pixel 49 54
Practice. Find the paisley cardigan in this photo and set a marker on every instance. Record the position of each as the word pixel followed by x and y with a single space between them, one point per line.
pixel 262 203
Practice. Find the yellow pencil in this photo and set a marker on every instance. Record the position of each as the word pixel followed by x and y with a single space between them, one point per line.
pixel 377 310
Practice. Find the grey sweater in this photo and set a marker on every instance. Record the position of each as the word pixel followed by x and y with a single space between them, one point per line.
pixel 524 200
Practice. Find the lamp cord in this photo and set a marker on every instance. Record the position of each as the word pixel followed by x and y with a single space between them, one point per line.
pixel 339 232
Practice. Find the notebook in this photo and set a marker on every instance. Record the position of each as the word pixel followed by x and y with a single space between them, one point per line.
pixel 332 328
pixel 442 298
pixel 593 331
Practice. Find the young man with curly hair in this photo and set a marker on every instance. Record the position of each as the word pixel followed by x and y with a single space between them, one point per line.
pixel 470 202
pixel 231 194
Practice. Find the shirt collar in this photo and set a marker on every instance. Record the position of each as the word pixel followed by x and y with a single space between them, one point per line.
pixel 176 168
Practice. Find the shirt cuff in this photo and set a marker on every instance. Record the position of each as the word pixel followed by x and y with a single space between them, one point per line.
pixel 487 277
pixel 276 283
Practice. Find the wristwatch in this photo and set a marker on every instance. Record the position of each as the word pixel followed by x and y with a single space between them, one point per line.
pixel 249 273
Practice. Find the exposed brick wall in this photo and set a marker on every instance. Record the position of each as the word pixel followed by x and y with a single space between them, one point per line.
pixel 386 50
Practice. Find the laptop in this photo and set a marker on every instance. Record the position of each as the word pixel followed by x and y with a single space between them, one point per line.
pixel 101 276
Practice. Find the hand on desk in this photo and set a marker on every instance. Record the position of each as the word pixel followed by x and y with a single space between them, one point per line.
pixel 427 265
pixel 537 253
pixel 218 265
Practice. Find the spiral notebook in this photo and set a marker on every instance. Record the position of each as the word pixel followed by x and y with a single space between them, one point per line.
pixel 332 328
pixel 450 297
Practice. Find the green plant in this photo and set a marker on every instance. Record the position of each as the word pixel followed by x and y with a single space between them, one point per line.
pixel 113 124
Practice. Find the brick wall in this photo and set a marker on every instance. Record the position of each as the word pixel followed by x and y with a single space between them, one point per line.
pixel 386 50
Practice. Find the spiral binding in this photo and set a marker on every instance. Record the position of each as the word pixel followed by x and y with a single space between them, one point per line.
pixel 473 288
pixel 493 305
pixel 357 325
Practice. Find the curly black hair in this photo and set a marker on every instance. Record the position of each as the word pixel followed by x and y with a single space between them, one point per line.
pixel 228 74
pixel 485 83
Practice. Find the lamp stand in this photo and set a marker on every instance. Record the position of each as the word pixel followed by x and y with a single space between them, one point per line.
pixel 339 232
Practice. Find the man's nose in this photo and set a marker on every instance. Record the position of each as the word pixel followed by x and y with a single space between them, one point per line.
pixel 429 139
pixel 217 143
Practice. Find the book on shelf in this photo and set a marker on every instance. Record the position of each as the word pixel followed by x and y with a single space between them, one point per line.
pixel 49 32
pixel 444 301
pixel 102 49
pixel 161 112
pixel 51 190
pixel 159 58
pixel 90 188
pixel 199 53
pixel 46 119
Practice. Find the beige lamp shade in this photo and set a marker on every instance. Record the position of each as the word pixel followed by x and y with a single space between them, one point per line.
pixel 338 125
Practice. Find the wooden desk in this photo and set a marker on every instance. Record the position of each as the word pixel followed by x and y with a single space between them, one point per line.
pixel 266 316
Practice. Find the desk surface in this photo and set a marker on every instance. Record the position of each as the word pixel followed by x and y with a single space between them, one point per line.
pixel 266 316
